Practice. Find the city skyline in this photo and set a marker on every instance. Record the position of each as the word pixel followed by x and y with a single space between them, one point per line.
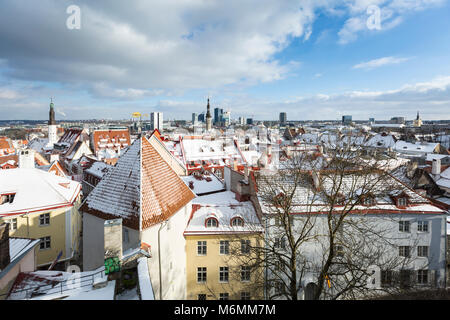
pixel 314 61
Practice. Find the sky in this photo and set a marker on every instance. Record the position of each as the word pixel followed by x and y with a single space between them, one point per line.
pixel 314 59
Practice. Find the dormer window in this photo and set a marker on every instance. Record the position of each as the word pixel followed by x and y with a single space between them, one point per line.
pixel 237 222
pixel 7 198
pixel 402 202
pixel 368 200
pixel 211 223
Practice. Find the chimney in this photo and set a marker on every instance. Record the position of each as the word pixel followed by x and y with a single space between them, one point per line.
pixel 26 158
pixel 4 245
pixel 436 167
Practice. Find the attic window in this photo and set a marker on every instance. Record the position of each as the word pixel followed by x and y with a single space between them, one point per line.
pixel 237 222
pixel 368 201
pixel 211 223
pixel 7 198
pixel 402 202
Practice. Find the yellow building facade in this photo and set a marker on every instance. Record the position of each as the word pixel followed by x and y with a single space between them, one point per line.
pixel 58 229
pixel 229 274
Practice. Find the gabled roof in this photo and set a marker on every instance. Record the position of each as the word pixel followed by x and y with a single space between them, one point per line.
pixel 140 173
pixel 36 190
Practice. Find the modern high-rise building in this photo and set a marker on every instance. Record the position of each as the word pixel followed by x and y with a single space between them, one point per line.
pixel 194 118
pixel 218 116
pixel 249 120
pixel 226 118
pixel 201 117
pixel 156 119
pixel 346 119
pixel 242 121
pixel 283 117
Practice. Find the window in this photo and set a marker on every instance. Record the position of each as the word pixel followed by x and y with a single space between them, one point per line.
pixel 245 295
pixel 422 226
pixel 223 274
pixel 212 222
pixel 201 274
pixel 403 226
pixel 422 276
pixel 245 246
pixel 45 243
pixel 278 287
pixel 404 251
pixel 405 278
pixel 202 296
pixel 201 248
pixel 386 278
pixel 245 273
pixel 126 237
pixel 339 251
pixel 12 224
pixel 237 222
pixel 402 202
pixel 44 219
pixel 7 198
pixel 280 243
pixel 279 265
pixel 368 201
pixel 224 296
pixel 422 251
pixel 224 247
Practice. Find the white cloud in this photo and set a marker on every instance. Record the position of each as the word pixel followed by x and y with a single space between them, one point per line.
pixel 392 13
pixel 9 94
pixel 376 63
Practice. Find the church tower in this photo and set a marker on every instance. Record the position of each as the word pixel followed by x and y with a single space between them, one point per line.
pixel 208 117
pixel 52 129
pixel 418 121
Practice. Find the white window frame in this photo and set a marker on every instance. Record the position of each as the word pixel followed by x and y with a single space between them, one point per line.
pixel 224 274
pixel 46 218
pixel 422 225
pixel 202 248
pixel 202 274
pixel 224 247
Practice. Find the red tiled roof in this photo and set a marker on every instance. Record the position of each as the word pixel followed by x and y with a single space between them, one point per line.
pixel 119 193
pixel 163 191
pixel 109 135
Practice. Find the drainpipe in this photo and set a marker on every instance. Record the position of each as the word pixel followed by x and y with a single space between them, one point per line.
pixel 159 259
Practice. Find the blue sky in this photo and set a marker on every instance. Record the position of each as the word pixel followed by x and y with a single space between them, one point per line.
pixel 315 60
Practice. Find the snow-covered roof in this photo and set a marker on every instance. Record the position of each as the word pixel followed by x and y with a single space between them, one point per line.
pixel 204 183
pixel 222 206
pixel 420 148
pixel 307 200
pixel 381 141
pixel 19 246
pixel 433 156
pixel 35 190
pixel 98 169
pixel 119 193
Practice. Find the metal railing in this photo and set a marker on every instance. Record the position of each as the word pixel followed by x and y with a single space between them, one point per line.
pixel 72 284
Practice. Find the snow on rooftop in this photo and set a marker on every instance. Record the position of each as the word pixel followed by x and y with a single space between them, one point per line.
pixel 19 246
pixel 222 206
pixel 35 190
pixel 204 183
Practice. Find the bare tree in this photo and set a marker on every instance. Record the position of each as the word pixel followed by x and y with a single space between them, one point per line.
pixel 324 233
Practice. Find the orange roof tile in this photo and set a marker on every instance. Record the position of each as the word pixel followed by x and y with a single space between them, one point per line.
pixel 163 191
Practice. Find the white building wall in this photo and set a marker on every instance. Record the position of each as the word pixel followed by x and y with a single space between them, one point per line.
pixel 435 239
pixel 173 256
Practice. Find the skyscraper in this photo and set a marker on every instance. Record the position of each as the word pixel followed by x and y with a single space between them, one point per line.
pixel 156 119
pixel 218 116
pixel 194 118
pixel 283 117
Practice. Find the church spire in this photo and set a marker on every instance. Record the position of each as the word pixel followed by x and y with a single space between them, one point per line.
pixel 208 112
pixel 418 117
pixel 51 116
